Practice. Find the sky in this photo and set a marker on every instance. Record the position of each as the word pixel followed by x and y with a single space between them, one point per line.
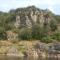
pixel 52 5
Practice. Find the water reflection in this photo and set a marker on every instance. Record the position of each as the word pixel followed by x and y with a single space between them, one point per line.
pixel 25 58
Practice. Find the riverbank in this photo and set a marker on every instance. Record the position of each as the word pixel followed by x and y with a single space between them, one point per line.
pixel 29 48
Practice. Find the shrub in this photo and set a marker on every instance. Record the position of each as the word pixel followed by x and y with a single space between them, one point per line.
pixel 53 25
pixel 2 33
pixel 25 34
pixel 56 36
pixel 47 39
pixel 3 36
pixel 36 32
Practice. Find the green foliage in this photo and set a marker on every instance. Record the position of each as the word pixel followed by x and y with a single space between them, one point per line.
pixel 56 36
pixel 57 17
pixel 2 29
pixel 3 36
pixel 47 39
pixel 10 18
pixel 36 31
pixel 9 26
pixel 53 25
pixel 2 33
pixel 25 34
pixel 6 20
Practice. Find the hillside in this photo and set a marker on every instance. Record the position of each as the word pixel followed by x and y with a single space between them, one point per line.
pixel 29 23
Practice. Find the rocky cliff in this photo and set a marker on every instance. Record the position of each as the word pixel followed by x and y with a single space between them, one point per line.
pixel 30 49
pixel 27 17
pixel 26 23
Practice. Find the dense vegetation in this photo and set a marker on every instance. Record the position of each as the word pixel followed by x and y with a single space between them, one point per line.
pixel 43 34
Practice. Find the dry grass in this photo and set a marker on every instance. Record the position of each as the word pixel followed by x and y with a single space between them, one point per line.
pixel 5 43
pixel 21 46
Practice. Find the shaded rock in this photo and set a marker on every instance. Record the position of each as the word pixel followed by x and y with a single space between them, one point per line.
pixel 32 53
pixel 54 48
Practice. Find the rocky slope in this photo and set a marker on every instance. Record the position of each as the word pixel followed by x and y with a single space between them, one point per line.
pixel 27 17
pixel 27 23
pixel 30 49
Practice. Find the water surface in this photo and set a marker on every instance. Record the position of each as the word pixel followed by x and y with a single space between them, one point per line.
pixel 26 58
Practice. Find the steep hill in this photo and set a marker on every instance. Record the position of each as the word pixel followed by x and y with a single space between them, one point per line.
pixel 28 23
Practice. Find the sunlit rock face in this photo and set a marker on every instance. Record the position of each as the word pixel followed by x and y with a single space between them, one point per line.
pixel 27 17
pixel 17 23
pixel 30 17
pixel 11 35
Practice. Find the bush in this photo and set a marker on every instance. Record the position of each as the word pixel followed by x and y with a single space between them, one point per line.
pixel 3 36
pixel 2 33
pixel 56 36
pixel 47 39
pixel 53 25
pixel 25 34
pixel 36 32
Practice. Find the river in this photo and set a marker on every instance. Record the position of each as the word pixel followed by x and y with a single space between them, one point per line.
pixel 25 58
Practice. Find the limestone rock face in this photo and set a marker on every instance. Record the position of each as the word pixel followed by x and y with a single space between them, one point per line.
pixel 17 23
pixel 27 17
pixel 28 22
pixel 11 35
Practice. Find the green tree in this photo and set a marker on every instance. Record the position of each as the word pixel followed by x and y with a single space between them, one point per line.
pixel 53 25
pixel 25 34
pixel 47 39
pixel 36 31
pixel 56 36
pixel 2 33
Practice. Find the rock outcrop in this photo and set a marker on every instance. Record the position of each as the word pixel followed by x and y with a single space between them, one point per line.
pixel 14 52
pixel 30 49
pixel 27 17
pixel 11 35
